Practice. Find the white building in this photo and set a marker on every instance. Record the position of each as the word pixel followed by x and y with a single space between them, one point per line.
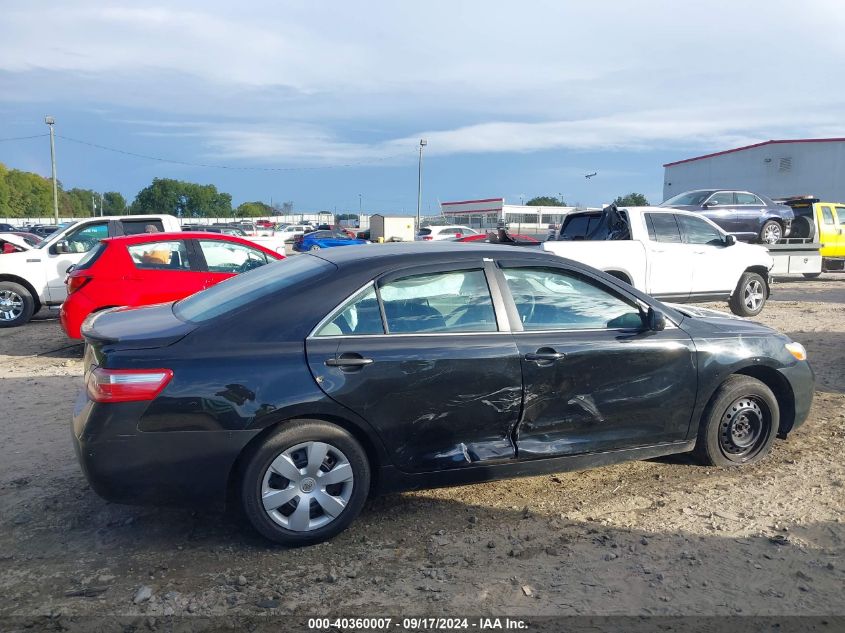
pixel 487 213
pixel 776 169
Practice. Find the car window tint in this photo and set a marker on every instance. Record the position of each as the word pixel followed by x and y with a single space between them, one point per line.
pixel 663 227
pixel 827 215
pixel 697 231
pixel 455 301
pixel 169 255
pixel 85 239
pixel 361 315
pixel 748 198
pixel 134 227
pixel 228 257
pixel 424 232
pixel 253 286
pixel 553 299
pixel 722 197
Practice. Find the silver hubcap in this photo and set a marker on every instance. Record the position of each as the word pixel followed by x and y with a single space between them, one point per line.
pixel 307 486
pixel 11 305
pixel 771 233
pixel 753 295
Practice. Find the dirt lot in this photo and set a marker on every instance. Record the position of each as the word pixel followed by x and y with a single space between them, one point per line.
pixel 655 537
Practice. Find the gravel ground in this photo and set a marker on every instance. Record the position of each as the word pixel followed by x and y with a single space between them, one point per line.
pixel 651 537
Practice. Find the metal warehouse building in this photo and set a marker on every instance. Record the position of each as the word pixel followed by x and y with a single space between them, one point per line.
pixel 776 169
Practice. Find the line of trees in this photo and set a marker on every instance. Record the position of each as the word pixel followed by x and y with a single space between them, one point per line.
pixel 629 200
pixel 24 194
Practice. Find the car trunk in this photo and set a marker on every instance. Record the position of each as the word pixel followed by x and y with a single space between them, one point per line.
pixel 135 328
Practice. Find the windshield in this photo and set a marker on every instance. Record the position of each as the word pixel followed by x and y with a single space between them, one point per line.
pixel 247 287
pixel 688 198
pixel 60 227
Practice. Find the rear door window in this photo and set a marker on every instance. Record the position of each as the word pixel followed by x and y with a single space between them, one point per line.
pixel 453 301
pixel 663 227
pixel 135 227
pixel 361 316
pixel 748 198
pixel 165 255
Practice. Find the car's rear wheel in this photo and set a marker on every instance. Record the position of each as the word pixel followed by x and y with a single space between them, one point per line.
pixel 771 232
pixel 739 424
pixel 305 483
pixel 750 295
pixel 16 304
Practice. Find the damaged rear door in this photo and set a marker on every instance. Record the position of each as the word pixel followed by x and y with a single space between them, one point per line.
pixel 422 357
pixel 595 378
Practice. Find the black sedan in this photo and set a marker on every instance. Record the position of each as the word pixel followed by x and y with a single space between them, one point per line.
pixel 301 388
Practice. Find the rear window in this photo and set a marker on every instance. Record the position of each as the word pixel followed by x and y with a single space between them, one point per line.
pixel 90 257
pixel 134 227
pixel 425 232
pixel 238 291
pixel 577 227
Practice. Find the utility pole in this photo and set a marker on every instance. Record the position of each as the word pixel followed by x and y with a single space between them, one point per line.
pixel 50 121
pixel 359 205
pixel 102 209
pixel 423 143
pixel 94 207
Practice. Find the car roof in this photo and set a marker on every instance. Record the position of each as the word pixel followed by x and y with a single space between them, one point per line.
pixel 159 236
pixel 425 252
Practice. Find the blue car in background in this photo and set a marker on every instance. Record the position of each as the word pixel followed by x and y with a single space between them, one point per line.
pixel 751 217
pixel 324 239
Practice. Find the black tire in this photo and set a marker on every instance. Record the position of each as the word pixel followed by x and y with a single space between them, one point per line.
pixel 750 295
pixel 771 232
pixel 739 424
pixel 802 226
pixel 811 275
pixel 289 436
pixel 13 295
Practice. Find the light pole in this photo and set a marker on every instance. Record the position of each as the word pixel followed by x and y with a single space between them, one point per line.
pixel 50 121
pixel 359 205
pixel 423 143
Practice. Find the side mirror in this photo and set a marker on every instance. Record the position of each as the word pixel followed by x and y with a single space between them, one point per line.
pixel 730 240
pixel 656 320
pixel 62 247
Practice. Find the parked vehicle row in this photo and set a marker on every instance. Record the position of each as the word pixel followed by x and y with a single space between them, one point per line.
pixel 670 254
pixel 411 366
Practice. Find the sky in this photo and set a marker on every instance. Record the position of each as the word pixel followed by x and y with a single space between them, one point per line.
pixel 324 103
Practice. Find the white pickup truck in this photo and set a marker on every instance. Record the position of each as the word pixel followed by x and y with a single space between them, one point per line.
pixel 35 278
pixel 670 254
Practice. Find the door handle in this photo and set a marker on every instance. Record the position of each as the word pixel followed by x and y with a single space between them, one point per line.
pixel 540 357
pixel 348 361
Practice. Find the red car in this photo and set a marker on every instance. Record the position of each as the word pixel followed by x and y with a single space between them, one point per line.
pixel 152 268
pixel 492 238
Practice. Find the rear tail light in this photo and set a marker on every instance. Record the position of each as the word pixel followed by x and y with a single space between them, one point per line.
pixel 126 385
pixel 427 238
pixel 75 283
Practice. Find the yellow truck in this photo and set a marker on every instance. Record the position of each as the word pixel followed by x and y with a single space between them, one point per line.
pixel 816 239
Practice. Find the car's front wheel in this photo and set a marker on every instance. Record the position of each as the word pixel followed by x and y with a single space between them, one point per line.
pixel 771 232
pixel 16 304
pixel 739 424
pixel 305 483
pixel 749 297
pixel 314 248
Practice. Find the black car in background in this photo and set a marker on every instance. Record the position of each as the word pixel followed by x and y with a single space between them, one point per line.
pixel 749 216
pixel 301 388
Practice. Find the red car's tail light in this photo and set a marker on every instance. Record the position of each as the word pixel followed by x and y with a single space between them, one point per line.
pixel 75 283
pixel 126 385
pixel 427 238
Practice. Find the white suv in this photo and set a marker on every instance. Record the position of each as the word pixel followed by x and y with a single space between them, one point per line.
pixel 449 232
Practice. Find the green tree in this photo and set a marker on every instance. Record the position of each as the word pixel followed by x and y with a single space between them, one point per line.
pixel 28 195
pixel 113 203
pixel 76 203
pixel 545 201
pixel 631 200
pixel 184 199
pixel 253 210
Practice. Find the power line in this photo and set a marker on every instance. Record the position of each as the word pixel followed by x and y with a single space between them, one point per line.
pixel 212 166
pixel 22 138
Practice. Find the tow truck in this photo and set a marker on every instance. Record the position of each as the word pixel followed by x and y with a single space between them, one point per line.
pixel 816 243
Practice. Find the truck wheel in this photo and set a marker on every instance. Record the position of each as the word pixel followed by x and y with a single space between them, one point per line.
pixel 750 295
pixel 16 304
pixel 802 226
pixel 771 232
pixel 739 424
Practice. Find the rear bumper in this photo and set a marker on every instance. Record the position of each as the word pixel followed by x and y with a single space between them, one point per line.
pixel 125 465
pixel 73 312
